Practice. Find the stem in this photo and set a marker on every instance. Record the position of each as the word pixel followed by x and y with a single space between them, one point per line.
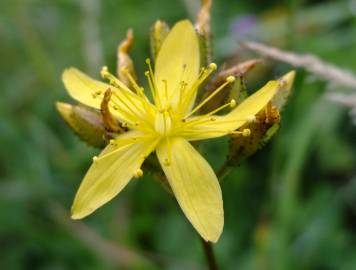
pixel 223 171
pixel 209 255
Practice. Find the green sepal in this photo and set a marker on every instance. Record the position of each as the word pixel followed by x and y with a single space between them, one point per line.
pixel 261 131
pixel 86 123
pixel 205 48
pixel 158 33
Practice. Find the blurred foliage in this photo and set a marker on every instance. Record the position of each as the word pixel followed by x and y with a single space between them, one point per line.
pixel 291 206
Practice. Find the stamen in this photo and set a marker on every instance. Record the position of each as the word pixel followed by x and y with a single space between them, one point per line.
pixel 165 91
pixel 229 79
pixel 165 121
pixel 127 93
pixel 137 88
pixel 245 132
pixel 148 62
pixel 138 173
pixel 130 113
pixel 112 79
pixel 179 85
pixel 213 66
pixel 152 84
pixel 183 86
pixel 251 119
pixel 232 103
pixel 128 142
pixel 204 73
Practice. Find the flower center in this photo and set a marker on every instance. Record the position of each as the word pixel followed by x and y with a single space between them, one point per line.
pixel 163 123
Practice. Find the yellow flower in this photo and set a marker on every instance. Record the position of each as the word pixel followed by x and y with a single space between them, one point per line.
pixel 165 126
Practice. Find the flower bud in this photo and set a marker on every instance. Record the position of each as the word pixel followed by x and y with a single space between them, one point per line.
pixel 286 81
pixel 260 132
pixel 85 122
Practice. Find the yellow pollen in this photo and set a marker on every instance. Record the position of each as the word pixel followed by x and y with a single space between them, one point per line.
pixel 137 88
pixel 138 173
pixel 251 119
pixel 246 132
pixel 104 72
pixel 204 73
pixel 232 103
pixel 213 66
pixel 230 79
pixel 151 83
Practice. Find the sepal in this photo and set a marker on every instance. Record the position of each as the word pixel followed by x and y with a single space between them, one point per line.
pixel 125 65
pixel 158 33
pixel 85 122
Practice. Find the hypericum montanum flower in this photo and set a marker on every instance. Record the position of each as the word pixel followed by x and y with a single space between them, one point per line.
pixel 165 126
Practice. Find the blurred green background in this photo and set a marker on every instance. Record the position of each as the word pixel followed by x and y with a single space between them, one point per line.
pixel 291 206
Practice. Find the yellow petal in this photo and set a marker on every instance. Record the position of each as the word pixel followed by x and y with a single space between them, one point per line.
pixel 110 173
pixel 280 99
pixel 216 126
pixel 84 89
pixel 178 60
pixel 195 186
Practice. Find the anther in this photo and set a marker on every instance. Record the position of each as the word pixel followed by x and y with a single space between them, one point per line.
pixel 112 141
pixel 104 71
pixel 138 173
pixel 95 158
pixel 230 79
pixel 166 162
pixel 246 132
pixel 112 82
pixel 124 69
pixel 213 66
pixel 232 103
pixel 251 119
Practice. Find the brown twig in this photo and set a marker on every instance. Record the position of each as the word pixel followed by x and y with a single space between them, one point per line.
pixel 113 252
pixel 311 63
pixel 92 45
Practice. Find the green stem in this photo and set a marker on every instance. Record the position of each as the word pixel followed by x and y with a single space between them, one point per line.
pixel 209 255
